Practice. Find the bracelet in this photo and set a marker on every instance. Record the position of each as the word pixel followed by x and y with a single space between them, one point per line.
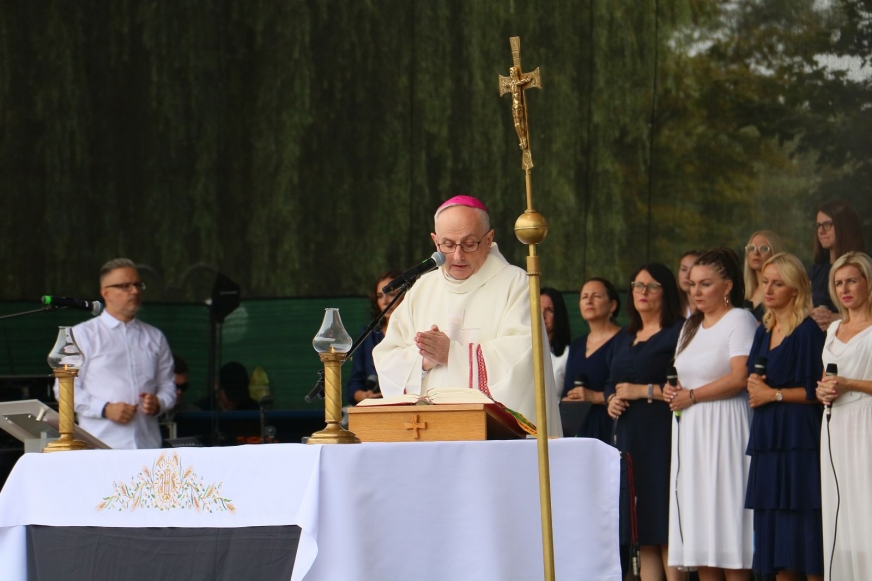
pixel 608 401
pixel 650 392
pixel 692 399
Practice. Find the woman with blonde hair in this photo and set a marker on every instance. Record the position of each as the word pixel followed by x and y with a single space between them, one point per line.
pixel 762 245
pixel 846 434
pixel 784 478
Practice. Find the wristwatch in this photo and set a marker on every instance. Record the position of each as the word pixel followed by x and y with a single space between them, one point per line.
pixel 778 396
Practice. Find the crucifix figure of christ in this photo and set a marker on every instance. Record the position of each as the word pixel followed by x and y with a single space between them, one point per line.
pixel 516 83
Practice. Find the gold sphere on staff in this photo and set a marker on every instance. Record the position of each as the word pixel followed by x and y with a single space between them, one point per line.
pixel 531 227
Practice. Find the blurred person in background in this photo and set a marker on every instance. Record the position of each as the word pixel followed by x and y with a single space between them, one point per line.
pixel 556 320
pixel 180 372
pixel 762 246
pixel 685 262
pixel 837 230
pixel 363 383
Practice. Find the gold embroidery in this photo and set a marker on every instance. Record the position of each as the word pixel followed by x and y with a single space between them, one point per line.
pixel 166 487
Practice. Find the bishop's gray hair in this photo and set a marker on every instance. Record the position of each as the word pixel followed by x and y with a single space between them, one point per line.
pixel 483 217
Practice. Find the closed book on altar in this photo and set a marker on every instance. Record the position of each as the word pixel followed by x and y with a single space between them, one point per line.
pixel 439 415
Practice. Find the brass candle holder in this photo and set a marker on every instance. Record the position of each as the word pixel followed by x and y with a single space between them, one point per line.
pixel 332 343
pixel 66 359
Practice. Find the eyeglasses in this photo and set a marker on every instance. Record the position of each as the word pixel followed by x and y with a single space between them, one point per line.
pixel 763 248
pixel 827 225
pixel 128 286
pixel 640 287
pixel 468 246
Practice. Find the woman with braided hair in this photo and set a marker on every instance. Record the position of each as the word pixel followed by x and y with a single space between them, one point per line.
pixel 709 527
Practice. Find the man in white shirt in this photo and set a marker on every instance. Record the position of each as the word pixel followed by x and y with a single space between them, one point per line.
pixel 467 324
pixel 127 378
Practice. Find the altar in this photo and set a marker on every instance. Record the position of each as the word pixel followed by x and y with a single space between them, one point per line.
pixel 423 511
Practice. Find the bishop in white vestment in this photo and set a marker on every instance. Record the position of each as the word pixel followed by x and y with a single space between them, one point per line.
pixel 467 324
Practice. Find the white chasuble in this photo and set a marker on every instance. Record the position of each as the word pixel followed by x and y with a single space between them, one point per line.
pixel 487 318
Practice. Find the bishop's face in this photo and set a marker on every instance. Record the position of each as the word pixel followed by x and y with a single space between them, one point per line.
pixel 461 226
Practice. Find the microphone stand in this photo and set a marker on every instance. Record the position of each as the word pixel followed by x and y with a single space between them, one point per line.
pixel 264 402
pixel 45 309
pixel 402 290
pixel 377 321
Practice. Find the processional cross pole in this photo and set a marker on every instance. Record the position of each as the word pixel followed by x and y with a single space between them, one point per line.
pixel 531 229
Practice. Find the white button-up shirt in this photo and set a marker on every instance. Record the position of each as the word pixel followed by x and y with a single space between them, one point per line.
pixel 121 362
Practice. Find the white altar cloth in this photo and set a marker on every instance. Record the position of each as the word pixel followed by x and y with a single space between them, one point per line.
pixel 424 511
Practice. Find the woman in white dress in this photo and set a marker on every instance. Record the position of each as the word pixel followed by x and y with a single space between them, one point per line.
pixel 709 526
pixel 846 434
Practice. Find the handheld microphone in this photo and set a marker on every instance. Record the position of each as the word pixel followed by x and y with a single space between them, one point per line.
pixel 615 423
pixel 760 366
pixel 371 384
pixel 672 379
pixel 832 371
pixel 436 260
pixel 580 380
pixel 94 307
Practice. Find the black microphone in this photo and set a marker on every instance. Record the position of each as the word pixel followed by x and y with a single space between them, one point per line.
pixel 672 379
pixel 579 381
pixel 615 423
pixel 94 307
pixel 760 366
pixel 832 371
pixel 371 384
pixel 411 275
pixel 318 390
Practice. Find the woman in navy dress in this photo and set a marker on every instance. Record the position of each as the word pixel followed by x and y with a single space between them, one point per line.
pixel 362 364
pixel 590 356
pixel 642 355
pixel 784 478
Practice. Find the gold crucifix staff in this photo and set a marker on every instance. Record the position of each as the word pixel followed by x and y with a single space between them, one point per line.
pixel 531 229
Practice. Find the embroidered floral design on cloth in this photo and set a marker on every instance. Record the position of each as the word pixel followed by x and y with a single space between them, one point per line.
pixel 166 487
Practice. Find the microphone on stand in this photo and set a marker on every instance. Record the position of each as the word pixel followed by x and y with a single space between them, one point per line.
pixel 832 371
pixel 318 390
pixel 436 260
pixel 94 307
pixel 672 379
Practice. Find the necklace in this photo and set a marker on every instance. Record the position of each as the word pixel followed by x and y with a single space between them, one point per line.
pixel 593 343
